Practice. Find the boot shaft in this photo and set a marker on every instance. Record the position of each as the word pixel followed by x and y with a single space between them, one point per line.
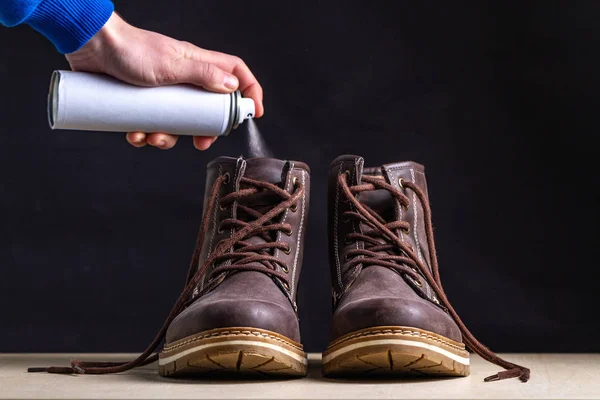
pixel 380 200
pixel 288 175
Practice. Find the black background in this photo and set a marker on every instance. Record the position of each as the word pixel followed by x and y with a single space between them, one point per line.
pixel 496 99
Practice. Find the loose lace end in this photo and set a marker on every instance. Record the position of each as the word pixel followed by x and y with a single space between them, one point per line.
pixel 57 370
pixel 519 372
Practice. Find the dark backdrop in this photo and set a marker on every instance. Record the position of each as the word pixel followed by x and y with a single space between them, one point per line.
pixel 497 100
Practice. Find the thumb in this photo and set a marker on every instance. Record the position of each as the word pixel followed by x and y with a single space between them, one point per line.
pixel 207 75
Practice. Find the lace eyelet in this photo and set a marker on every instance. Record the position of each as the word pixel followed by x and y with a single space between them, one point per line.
pixel 405 207
pixel 285 269
pixel 435 300
pixel 418 283
pixel 348 241
pixel 222 207
pixel 406 230
pixel 345 219
pixel 347 257
pixel 294 207
pixel 287 251
pixel 289 233
pixel 294 181
pixel 219 230
pixel 401 183
pixel 227 178
pixel 286 285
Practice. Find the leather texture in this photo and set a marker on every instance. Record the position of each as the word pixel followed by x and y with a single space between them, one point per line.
pixel 369 295
pixel 249 298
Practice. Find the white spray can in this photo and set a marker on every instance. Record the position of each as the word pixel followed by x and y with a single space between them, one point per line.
pixel 94 102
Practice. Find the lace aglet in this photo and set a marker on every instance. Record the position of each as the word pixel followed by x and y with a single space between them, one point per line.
pixel 495 377
pixel 37 369
pixel 57 370
pixel 520 372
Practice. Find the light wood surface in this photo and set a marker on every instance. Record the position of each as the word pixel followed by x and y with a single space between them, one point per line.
pixel 574 376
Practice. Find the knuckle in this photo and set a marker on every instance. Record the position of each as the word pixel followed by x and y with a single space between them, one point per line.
pixel 210 72
pixel 237 60
pixel 241 65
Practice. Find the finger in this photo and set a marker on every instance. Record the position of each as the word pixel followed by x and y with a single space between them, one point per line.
pixel 210 69
pixel 248 84
pixel 204 74
pixel 163 141
pixel 136 139
pixel 203 142
pixel 250 87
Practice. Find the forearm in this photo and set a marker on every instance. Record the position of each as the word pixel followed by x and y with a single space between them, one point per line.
pixel 69 24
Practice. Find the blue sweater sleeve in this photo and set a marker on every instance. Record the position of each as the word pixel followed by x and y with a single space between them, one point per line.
pixel 69 24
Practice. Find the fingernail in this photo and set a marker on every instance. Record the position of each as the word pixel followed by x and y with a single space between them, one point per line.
pixel 231 82
pixel 162 143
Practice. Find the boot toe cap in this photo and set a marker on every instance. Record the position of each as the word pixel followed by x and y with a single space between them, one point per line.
pixel 229 313
pixel 368 313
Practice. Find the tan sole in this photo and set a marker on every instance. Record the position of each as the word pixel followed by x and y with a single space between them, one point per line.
pixel 233 351
pixel 395 350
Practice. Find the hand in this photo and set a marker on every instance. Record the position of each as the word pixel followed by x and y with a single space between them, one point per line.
pixel 147 58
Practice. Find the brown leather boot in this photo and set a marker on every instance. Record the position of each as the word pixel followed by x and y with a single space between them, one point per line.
pixel 237 312
pixel 243 316
pixel 391 315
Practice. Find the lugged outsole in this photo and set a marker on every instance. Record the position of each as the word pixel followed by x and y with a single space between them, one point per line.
pixel 395 351
pixel 231 352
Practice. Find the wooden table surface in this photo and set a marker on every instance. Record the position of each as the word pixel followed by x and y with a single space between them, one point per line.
pixel 574 376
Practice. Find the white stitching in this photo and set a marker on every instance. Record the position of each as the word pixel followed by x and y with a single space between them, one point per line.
pixel 414 200
pixel 354 179
pixel 353 208
pixel 214 229
pixel 287 188
pixel 406 332
pixel 278 237
pixel 170 347
pixel 401 212
pixel 406 167
pixel 299 236
pixel 415 212
pixel 238 167
pixel 215 215
pixel 335 229
pixel 397 204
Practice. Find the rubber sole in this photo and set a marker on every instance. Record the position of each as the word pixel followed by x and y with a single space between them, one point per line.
pixel 232 352
pixel 395 351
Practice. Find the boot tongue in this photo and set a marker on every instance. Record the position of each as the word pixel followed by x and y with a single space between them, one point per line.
pixel 269 170
pixel 264 169
pixel 381 201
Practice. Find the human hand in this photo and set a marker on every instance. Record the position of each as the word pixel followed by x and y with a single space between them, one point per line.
pixel 147 58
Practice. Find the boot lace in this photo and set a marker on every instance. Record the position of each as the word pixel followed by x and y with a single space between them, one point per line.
pixel 251 222
pixel 243 255
pixel 383 238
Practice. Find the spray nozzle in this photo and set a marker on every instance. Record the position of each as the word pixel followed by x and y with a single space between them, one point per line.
pixel 247 109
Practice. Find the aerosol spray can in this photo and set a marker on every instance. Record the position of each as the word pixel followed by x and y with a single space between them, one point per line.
pixel 94 102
